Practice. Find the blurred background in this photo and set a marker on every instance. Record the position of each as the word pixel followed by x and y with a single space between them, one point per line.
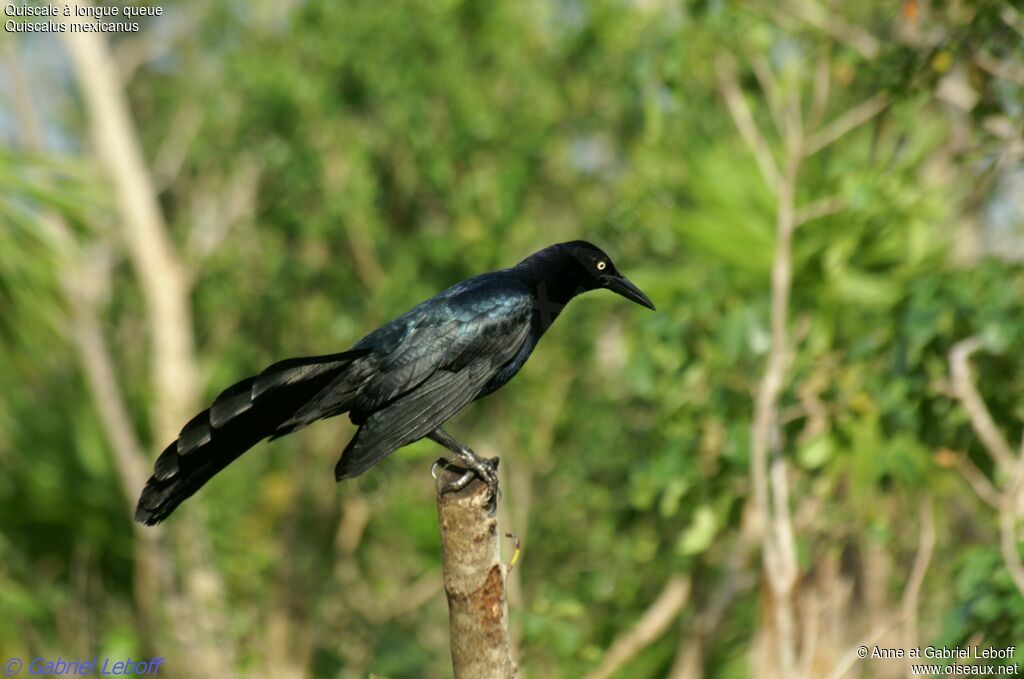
pixel 815 443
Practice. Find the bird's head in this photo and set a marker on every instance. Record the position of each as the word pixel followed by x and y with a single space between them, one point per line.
pixel 597 270
pixel 578 266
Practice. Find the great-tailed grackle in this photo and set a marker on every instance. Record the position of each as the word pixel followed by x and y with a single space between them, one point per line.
pixel 400 383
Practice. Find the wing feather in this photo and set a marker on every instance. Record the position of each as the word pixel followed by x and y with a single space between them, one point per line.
pixel 499 329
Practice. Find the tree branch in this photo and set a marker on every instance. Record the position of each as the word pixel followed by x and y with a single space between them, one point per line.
pixel 770 86
pixel 983 488
pixel 767 466
pixel 745 122
pixel 850 658
pixel 820 91
pixel 912 592
pixel 998 448
pixel 173 151
pixel 80 290
pixel 852 119
pixel 819 208
pixel 1013 18
pixel 833 24
pixel 773 504
pixel 651 625
pixel 977 412
pixel 135 51
pixel 164 283
pixel 165 288
pixel 1008 525
pixel 1004 69
pixel 736 580
pixel 101 376
pixel 474 580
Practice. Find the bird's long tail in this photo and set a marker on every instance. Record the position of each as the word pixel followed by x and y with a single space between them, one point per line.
pixel 243 415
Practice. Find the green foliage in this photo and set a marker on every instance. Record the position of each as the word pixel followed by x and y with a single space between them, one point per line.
pixel 392 149
pixel 986 599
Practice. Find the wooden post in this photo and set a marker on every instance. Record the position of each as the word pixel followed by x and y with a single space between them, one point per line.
pixel 474 581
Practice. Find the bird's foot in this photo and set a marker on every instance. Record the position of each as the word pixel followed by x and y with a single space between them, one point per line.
pixel 485 469
pixel 488 473
pixel 456 484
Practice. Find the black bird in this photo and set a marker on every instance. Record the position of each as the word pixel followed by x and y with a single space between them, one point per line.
pixel 400 383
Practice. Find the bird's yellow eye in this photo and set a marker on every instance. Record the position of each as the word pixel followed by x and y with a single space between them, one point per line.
pixel 601 266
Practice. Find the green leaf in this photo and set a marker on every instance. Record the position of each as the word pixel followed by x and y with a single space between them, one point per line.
pixel 698 535
pixel 816 452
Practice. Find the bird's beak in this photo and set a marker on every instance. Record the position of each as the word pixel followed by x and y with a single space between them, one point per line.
pixel 621 285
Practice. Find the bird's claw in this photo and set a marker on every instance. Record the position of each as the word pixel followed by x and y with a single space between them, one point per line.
pixel 488 473
pixel 455 484
pixel 484 469
pixel 439 462
pixel 459 482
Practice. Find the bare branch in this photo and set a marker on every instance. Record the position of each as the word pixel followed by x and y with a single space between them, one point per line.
pixel 771 502
pixel 819 95
pixel 164 283
pixel 474 580
pixel 81 289
pixel 1012 17
pixel 846 123
pixel 786 570
pixel 134 51
pixel 165 288
pixel 819 208
pixel 651 625
pixel 689 659
pixel 812 609
pixel 998 448
pixel 977 412
pixel 910 602
pixel 983 488
pixel 745 122
pixel 830 22
pixel 221 206
pixel 793 124
pixel 174 150
pixel 1008 525
pixel 770 86
pixel 737 578
pixel 1008 546
pixel 1004 69
pixel 850 658
pixel 96 361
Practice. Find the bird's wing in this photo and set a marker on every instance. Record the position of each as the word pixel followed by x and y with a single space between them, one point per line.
pixel 435 334
pixel 421 349
pixel 487 331
pixel 409 349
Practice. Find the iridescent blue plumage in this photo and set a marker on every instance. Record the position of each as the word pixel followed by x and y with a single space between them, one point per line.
pixel 400 383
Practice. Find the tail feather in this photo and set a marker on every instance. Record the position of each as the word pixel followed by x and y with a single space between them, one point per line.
pixel 297 370
pixel 232 402
pixel 196 432
pixel 332 400
pixel 241 416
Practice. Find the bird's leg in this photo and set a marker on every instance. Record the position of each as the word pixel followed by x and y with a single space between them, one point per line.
pixel 485 469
